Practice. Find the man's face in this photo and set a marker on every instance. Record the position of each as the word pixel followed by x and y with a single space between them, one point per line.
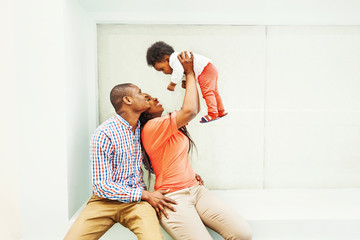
pixel 140 102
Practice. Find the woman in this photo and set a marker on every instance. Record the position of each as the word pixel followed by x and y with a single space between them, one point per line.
pixel 167 144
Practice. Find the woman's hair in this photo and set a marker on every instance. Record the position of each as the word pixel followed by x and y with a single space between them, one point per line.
pixel 157 52
pixel 144 118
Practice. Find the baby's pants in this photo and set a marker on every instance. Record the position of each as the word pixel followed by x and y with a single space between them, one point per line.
pixel 198 207
pixel 100 214
pixel 209 89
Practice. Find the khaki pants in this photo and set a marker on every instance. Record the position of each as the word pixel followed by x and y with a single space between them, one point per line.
pixel 197 207
pixel 101 214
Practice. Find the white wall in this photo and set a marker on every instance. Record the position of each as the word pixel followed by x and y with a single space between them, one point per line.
pixel 313 107
pixel 291 93
pixel 9 175
pixel 81 101
pixel 40 68
pixel 56 112
pixel 237 12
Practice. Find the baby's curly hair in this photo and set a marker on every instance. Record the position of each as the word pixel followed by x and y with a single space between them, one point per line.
pixel 157 51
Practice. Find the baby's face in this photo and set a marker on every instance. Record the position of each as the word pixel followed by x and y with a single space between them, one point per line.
pixel 163 67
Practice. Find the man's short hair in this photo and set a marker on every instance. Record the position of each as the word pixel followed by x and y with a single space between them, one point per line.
pixel 118 93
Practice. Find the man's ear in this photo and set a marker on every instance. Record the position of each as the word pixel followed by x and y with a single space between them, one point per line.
pixel 127 100
pixel 166 58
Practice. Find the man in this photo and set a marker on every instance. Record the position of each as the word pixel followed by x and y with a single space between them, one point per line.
pixel 119 190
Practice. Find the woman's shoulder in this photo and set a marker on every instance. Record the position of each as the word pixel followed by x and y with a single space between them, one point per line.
pixel 160 122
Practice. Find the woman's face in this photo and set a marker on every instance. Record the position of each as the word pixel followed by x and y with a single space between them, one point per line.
pixel 156 108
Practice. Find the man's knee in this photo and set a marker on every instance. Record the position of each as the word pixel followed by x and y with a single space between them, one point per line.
pixel 146 217
pixel 145 223
pixel 145 210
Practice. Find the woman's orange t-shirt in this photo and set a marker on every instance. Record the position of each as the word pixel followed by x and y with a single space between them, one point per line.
pixel 167 148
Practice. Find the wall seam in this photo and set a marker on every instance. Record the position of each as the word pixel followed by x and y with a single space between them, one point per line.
pixel 265 95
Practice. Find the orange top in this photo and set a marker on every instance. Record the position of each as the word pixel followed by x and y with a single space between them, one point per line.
pixel 167 148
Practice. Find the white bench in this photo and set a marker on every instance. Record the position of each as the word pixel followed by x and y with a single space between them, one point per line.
pixel 287 214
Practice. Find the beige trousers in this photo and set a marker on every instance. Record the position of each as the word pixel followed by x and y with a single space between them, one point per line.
pixel 101 214
pixel 197 207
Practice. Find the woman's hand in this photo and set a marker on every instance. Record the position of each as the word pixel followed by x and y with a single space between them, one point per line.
pixel 187 62
pixel 199 179
pixel 191 105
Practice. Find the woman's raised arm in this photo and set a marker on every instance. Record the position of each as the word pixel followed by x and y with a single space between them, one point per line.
pixel 191 105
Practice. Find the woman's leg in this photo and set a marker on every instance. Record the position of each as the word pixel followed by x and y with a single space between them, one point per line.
pixel 218 216
pixel 185 223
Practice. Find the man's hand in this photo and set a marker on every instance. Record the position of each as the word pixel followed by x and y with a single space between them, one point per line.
pixel 187 62
pixel 159 201
pixel 199 179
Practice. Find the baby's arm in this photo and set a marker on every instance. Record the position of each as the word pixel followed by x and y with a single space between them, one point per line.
pixel 178 72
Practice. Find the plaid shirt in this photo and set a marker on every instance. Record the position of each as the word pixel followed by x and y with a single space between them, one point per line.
pixel 116 159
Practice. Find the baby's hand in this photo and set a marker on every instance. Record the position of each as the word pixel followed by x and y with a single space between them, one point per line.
pixel 171 86
pixel 183 84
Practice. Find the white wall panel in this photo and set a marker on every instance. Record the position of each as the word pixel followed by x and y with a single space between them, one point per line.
pixel 226 12
pixel 10 222
pixel 309 100
pixel 313 107
pixel 42 145
pixel 79 45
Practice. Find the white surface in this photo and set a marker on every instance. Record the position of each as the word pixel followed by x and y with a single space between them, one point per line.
pixel 50 93
pixel 288 214
pixel 290 204
pixel 312 119
pixel 42 150
pixel 241 12
pixel 9 164
pixel 80 101
pixel 291 93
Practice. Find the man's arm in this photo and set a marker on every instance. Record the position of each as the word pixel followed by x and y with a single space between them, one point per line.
pixel 101 156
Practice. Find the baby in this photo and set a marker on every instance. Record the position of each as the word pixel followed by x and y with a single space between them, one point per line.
pixel 164 59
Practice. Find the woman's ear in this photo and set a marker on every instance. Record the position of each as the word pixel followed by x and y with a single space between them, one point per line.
pixel 127 100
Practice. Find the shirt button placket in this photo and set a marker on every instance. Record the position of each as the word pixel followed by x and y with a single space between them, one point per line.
pixel 133 158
